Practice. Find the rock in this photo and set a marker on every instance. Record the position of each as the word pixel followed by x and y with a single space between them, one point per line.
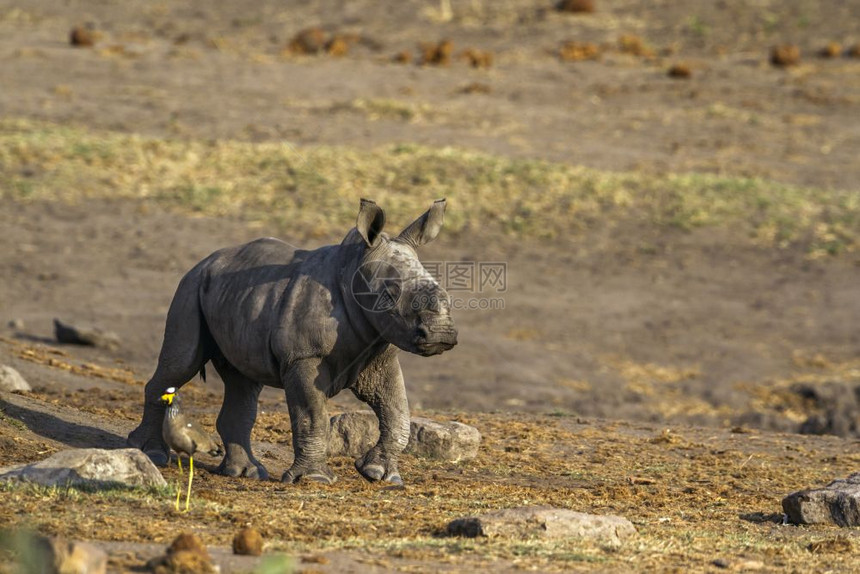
pixel 248 542
pixel 353 434
pixel 85 335
pixel 11 380
pixel 544 522
pixel 17 324
pixel 837 503
pixel 91 467
pixel 450 441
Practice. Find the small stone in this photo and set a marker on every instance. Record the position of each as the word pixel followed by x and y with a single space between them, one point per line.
pixel 450 441
pixel 785 55
pixel 838 503
pixel 85 335
pixel 11 380
pixel 16 324
pixel 91 467
pixel 248 542
pixel 544 522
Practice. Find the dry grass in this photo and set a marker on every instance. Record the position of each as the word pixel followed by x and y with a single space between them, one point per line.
pixel 313 191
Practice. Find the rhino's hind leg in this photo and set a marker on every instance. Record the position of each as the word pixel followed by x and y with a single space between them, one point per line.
pixel 381 387
pixel 309 421
pixel 182 357
pixel 235 421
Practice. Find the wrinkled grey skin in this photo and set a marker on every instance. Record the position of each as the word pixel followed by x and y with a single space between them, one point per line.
pixel 265 313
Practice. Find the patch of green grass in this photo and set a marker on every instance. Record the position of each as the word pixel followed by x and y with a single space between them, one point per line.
pixel 313 191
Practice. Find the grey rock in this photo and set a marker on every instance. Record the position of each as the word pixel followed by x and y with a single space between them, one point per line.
pixel 85 335
pixel 91 467
pixel 352 434
pixel 544 522
pixel 451 441
pixel 12 381
pixel 837 503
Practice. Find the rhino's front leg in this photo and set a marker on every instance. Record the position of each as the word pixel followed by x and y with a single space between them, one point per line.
pixel 304 385
pixel 381 387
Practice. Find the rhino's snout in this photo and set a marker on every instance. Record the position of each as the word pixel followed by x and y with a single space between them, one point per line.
pixel 432 340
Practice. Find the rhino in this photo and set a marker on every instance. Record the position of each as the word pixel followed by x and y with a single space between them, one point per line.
pixel 312 322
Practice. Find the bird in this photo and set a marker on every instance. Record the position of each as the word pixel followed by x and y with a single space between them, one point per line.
pixel 185 436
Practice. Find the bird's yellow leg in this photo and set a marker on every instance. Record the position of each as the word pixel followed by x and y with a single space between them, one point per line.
pixel 190 476
pixel 179 488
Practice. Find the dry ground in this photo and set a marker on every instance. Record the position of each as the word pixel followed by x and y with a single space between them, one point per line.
pixel 679 252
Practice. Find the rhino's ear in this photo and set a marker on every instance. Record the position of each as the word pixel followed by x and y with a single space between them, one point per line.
pixel 370 221
pixel 425 228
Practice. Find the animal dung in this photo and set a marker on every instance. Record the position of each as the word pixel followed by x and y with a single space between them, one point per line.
pixel 438 54
pixel 477 58
pixel 574 51
pixel 248 542
pixel 83 36
pixel 680 71
pixel 402 57
pixel 187 541
pixel 338 46
pixel 634 45
pixel 831 50
pixel 576 6
pixel 853 51
pixel 785 55
pixel 308 41
pixel 475 88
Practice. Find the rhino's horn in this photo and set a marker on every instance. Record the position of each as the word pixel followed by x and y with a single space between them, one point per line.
pixel 425 228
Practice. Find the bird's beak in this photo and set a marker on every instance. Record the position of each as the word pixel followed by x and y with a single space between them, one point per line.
pixel 167 398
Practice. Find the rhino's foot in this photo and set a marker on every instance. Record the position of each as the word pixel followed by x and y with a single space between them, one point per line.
pixel 321 474
pixel 375 468
pixel 153 446
pixel 248 468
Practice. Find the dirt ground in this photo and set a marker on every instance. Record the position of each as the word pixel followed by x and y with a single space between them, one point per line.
pixel 657 327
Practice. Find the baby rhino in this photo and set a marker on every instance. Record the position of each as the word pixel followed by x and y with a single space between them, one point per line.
pixel 313 323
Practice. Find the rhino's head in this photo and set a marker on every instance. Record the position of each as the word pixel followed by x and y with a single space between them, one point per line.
pixel 397 295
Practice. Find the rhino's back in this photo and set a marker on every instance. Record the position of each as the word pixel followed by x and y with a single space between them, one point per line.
pixel 249 292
